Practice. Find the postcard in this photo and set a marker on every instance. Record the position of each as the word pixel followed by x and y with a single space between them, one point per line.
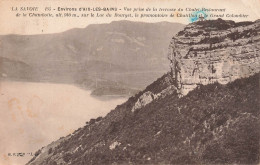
pixel 129 82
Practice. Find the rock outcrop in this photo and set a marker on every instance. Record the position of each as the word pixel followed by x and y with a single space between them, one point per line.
pixel 214 51
pixel 143 100
pixel 149 96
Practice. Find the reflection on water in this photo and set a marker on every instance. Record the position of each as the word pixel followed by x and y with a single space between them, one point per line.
pixel 34 114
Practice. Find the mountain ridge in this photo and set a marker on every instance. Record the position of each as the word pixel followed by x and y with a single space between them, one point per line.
pixel 70 56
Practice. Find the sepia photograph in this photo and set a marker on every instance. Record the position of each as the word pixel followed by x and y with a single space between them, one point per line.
pixel 133 82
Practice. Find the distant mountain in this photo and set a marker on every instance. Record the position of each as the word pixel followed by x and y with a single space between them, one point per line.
pixel 121 51
pixel 16 70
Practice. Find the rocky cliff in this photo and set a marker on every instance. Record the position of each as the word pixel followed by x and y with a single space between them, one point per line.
pixel 213 124
pixel 214 51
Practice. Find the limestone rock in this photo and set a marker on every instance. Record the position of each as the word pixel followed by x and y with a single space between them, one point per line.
pixel 143 100
pixel 214 51
pixel 148 97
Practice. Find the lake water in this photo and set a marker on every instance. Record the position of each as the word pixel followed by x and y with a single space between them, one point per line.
pixel 33 115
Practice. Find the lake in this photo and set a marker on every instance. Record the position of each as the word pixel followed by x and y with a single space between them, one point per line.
pixel 35 114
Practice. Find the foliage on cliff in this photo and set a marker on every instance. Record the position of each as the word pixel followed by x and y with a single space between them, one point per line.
pixel 213 124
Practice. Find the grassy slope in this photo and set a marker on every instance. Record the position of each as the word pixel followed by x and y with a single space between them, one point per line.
pixel 212 124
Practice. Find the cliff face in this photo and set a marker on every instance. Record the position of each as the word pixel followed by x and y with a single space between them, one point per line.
pixel 214 51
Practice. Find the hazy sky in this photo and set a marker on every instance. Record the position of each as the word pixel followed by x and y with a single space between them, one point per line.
pixel 10 24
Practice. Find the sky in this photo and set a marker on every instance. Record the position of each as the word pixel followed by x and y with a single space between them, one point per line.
pixel 10 24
